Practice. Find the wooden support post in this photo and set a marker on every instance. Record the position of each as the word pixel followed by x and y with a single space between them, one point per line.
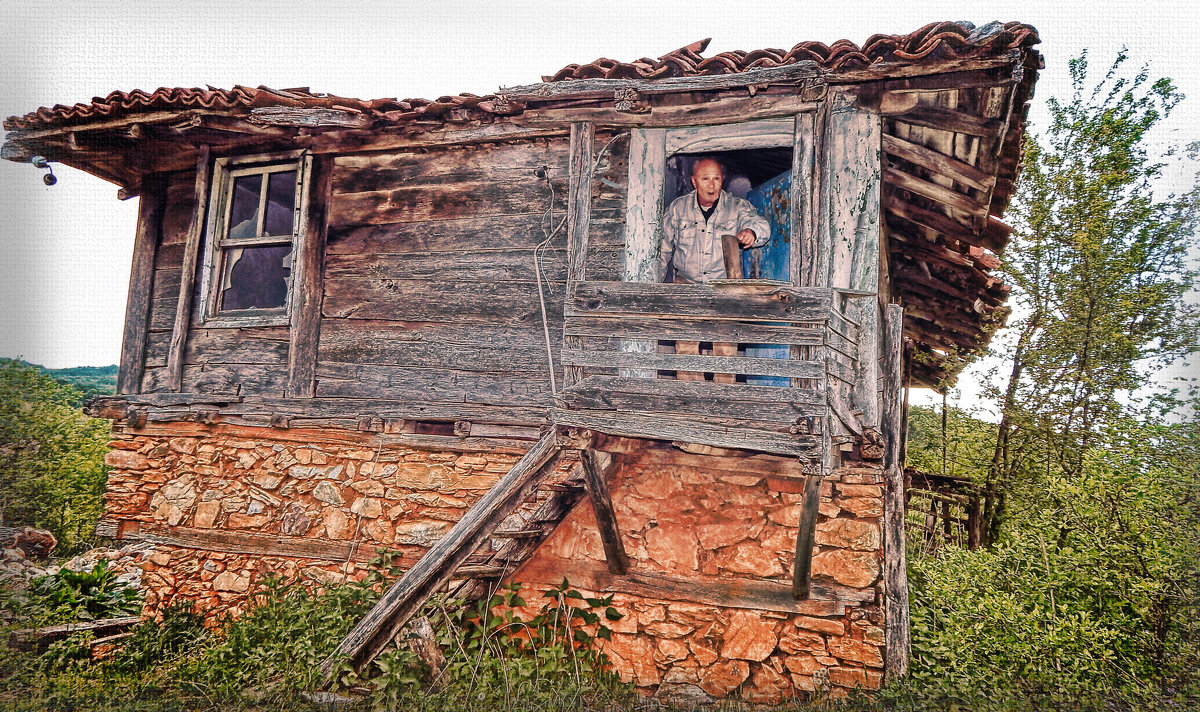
pixel 373 633
pixel 643 211
pixel 595 465
pixel 308 280
pixel 579 211
pixel 153 191
pixel 805 534
pixel 187 279
pixel 897 645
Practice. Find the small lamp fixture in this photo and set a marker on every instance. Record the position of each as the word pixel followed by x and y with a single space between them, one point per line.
pixel 43 162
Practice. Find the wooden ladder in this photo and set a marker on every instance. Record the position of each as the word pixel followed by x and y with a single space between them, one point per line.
pixel 479 551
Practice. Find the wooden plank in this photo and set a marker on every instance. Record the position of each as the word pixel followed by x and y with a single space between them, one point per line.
pixel 462 235
pixel 500 303
pixel 243 379
pixel 747 302
pixel 353 380
pixel 671 329
pixel 605 88
pixel 267 345
pixel 853 174
pixel 252 543
pixel 579 211
pixel 953 120
pixel 360 172
pixel 471 356
pixel 486 265
pixel 141 283
pixel 446 201
pixel 897 642
pixel 938 162
pixel 595 466
pixel 644 207
pixel 826 600
pixel 805 183
pixel 939 193
pixel 183 307
pixel 814 246
pixel 307 281
pixel 684 362
pixel 805 534
pixel 390 342
pixel 768 133
pixel 658 427
pixel 35 639
pixel 368 638
pixel 695 398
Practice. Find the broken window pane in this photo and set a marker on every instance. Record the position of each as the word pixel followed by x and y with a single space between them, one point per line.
pixel 281 199
pixel 243 213
pixel 256 277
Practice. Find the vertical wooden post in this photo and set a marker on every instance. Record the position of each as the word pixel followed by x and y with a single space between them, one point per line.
pixel 153 193
pixel 643 230
pixel 308 283
pixel 606 517
pixel 187 279
pixel 803 200
pixel 897 645
pixel 805 534
pixel 579 213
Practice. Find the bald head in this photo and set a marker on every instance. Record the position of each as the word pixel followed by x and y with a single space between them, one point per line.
pixel 707 178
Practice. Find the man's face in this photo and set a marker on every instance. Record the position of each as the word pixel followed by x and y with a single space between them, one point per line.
pixel 706 179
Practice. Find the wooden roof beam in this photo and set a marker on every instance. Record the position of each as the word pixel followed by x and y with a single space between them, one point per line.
pixel 937 193
pixel 942 119
pixel 938 162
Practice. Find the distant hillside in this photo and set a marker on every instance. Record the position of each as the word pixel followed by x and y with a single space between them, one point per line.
pixel 90 380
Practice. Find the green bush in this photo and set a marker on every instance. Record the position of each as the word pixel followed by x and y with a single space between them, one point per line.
pixel 81 596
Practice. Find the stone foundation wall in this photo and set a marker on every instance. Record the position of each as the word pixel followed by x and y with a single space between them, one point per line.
pixel 222 481
pixel 713 541
pixel 712 536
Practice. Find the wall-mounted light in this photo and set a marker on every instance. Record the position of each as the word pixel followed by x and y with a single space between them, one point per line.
pixel 43 162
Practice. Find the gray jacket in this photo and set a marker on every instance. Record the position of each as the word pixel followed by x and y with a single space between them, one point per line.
pixel 694 246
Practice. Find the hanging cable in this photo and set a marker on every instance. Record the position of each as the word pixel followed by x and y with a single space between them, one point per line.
pixel 549 229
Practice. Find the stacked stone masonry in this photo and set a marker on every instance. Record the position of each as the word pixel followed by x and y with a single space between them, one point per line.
pixel 709 525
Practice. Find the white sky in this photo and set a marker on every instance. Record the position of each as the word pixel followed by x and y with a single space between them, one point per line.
pixel 66 250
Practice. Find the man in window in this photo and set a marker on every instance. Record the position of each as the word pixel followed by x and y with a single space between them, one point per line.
pixel 704 232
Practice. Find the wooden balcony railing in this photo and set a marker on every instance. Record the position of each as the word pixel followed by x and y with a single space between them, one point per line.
pixel 621 372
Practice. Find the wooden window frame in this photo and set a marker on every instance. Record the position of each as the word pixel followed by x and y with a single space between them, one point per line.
pixel 651 148
pixel 216 242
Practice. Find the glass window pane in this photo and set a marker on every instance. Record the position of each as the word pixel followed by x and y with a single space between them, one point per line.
pixel 256 277
pixel 281 199
pixel 243 212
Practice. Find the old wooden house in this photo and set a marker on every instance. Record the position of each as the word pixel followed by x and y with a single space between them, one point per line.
pixel 440 327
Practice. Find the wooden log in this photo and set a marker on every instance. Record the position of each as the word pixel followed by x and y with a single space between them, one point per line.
pixel 659 427
pixel 805 184
pixel 805 534
pixel 432 385
pixel 308 117
pixel 595 466
pixel 247 542
pixel 434 345
pixel 897 645
pixel 187 276
pixel 308 280
pixel 374 632
pixel 32 639
pixel 686 362
pixel 826 600
pixel 746 302
pixel 141 284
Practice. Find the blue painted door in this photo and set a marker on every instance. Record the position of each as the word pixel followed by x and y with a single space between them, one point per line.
pixel 773 260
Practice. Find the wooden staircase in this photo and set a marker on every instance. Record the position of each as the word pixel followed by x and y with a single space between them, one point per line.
pixel 490 542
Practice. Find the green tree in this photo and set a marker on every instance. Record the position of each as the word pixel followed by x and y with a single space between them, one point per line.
pixel 52 471
pixel 1098 265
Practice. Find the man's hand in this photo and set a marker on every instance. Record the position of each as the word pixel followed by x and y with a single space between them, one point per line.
pixel 746 237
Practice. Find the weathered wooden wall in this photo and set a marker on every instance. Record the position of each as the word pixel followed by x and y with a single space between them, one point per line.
pixel 430 292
